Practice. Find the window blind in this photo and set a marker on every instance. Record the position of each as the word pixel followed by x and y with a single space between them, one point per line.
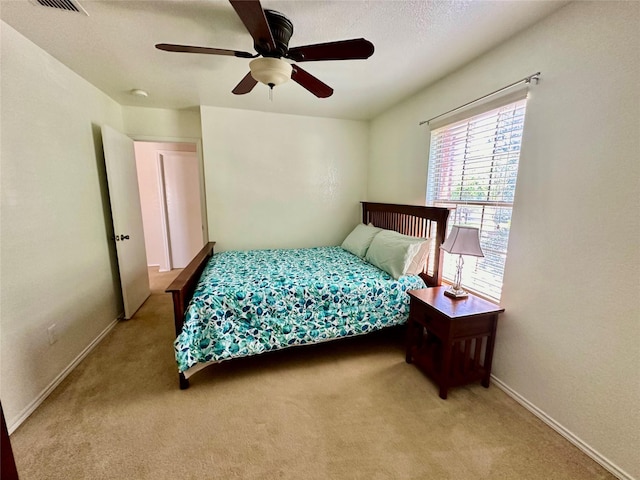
pixel 473 167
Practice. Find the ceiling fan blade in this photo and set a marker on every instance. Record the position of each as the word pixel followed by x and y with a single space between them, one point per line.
pixel 311 83
pixel 245 85
pixel 253 17
pixel 355 49
pixel 169 47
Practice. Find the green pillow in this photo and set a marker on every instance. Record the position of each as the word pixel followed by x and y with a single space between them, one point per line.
pixel 393 252
pixel 358 241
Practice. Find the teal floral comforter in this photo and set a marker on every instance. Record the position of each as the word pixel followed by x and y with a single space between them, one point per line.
pixel 250 302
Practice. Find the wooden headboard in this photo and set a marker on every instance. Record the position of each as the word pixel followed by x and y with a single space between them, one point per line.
pixel 417 221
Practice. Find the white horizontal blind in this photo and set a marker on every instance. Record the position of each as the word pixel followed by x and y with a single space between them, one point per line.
pixel 473 166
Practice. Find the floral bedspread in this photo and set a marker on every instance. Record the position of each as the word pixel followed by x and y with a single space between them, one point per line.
pixel 250 302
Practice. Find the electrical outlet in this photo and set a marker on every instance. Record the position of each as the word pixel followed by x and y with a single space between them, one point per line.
pixel 53 337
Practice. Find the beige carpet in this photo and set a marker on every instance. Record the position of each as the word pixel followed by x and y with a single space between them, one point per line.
pixel 351 409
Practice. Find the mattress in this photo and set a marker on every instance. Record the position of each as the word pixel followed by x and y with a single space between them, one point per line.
pixel 251 302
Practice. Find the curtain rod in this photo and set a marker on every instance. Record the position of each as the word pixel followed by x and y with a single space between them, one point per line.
pixel 528 79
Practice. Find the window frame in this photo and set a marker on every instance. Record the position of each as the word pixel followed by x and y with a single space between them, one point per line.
pixel 484 276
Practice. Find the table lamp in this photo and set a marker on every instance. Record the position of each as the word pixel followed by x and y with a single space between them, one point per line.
pixel 461 241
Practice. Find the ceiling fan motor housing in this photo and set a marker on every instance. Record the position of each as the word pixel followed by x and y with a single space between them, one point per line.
pixel 281 29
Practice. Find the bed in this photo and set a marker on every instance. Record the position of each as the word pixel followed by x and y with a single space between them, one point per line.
pixel 241 303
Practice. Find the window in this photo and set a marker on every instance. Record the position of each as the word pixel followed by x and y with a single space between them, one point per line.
pixel 473 166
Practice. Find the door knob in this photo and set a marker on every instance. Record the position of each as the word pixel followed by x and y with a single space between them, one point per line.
pixel 124 237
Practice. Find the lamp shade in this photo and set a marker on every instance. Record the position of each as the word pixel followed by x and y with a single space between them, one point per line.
pixel 463 241
pixel 270 71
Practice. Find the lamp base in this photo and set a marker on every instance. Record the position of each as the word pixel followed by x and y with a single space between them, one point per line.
pixel 453 293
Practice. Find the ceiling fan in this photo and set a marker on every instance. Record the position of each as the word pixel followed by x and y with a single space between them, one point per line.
pixel 271 32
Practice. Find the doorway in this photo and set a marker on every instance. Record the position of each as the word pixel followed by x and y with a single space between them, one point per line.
pixel 172 202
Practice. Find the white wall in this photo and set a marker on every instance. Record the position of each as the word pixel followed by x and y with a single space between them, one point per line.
pixel 147 168
pixel 57 260
pixel 569 340
pixel 282 180
pixel 159 123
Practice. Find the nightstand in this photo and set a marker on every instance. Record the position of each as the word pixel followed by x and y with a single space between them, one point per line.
pixel 451 340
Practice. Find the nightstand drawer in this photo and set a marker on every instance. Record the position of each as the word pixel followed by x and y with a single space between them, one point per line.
pixel 427 317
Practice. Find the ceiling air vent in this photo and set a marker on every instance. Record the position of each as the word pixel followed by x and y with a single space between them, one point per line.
pixel 68 5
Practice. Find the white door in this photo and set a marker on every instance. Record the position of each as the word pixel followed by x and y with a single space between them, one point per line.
pixel 181 178
pixel 127 218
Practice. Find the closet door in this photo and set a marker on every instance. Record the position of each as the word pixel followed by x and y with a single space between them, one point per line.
pixel 180 175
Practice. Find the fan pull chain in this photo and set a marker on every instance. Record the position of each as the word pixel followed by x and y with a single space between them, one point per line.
pixel 271 92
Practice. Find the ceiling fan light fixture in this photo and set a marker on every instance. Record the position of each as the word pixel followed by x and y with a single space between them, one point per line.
pixel 270 71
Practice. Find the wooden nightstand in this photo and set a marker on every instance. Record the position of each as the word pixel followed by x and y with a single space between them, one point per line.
pixel 447 337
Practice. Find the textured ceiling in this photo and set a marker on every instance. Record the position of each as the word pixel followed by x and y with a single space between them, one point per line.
pixel 416 43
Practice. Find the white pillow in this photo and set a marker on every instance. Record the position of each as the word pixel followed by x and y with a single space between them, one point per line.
pixel 394 253
pixel 419 261
pixel 358 241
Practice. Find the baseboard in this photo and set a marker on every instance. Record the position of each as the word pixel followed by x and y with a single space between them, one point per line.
pixel 160 268
pixel 29 409
pixel 606 463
